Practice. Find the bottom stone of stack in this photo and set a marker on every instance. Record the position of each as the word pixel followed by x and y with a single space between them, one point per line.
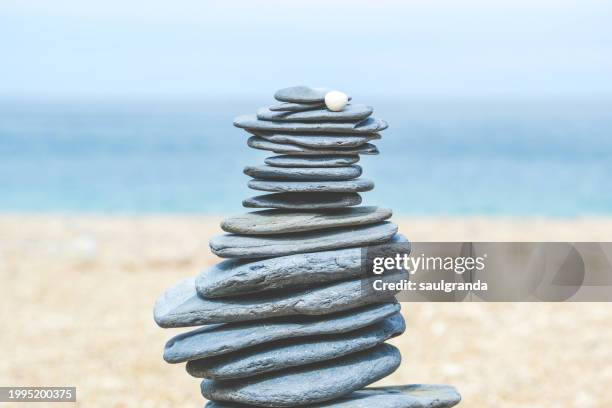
pixel 401 396
pixel 308 384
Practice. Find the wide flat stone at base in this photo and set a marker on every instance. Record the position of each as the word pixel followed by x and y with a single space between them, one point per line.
pixel 221 339
pixel 281 221
pixel 296 352
pixel 180 306
pixel 310 384
pixel 303 173
pixel 400 396
pixel 369 125
pixel 351 113
pixel 303 201
pixel 238 277
pixel 312 161
pixel 245 246
pixel 320 141
pixel 281 148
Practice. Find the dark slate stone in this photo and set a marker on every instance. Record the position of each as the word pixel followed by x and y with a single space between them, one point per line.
pixel 237 277
pixel 268 222
pixel 303 173
pixel 263 144
pixel 302 94
pixel 309 384
pixel 219 339
pixel 296 352
pixel 346 186
pixel 303 201
pixel 296 107
pixel 180 305
pixel 401 396
pixel 320 141
pixel 245 246
pixel 351 113
pixel 369 125
pixel 312 161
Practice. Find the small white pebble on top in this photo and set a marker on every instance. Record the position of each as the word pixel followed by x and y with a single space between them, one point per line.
pixel 336 100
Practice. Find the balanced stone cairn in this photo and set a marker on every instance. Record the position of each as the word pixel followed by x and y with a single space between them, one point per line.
pixel 287 320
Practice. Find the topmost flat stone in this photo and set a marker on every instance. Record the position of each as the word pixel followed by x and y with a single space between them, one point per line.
pixel 301 94
pixel 402 396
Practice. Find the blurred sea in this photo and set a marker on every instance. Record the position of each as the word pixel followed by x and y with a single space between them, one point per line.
pixel 549 157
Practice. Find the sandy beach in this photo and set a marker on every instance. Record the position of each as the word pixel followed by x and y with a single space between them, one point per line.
pixel 77 294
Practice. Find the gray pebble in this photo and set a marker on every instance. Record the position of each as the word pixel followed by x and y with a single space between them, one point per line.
pixel 369 125
pixel 303 173
pixel 401 396
pixel 346 186
pixel 312 161
pixel 245 246
pixel 280 222
pixel 303 201
pixel 237 277
pixel 302 94
pixel 319 141
pixel 219 339
pixel 310 384
pixel 351 113
pixel 281 148
pixel 296 107
pixel 296 352
pixel 180 305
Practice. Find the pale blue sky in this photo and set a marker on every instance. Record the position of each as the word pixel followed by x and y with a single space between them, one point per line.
pixel 198 48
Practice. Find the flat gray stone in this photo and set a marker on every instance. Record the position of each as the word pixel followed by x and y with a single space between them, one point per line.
pixel 303 173
pixel 281 222
pixel 312 161
pixel 320 141
pixel 285 148
pixel 238 277
pixel 180 306
pixel 346 186
pixel 351 113
pixel 309 384
pixel 296 107
pixel 245 246
pixel 302 94
pixel 369 125
pixel 406 396
pixel 281 148
pixel 296 352
pixel 401 396
pixel 303 201
pixel 220 339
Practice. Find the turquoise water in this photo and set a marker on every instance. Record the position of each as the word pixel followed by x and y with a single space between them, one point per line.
pixel 515 157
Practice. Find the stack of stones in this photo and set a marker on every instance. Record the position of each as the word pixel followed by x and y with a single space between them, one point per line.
pixel 286 320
